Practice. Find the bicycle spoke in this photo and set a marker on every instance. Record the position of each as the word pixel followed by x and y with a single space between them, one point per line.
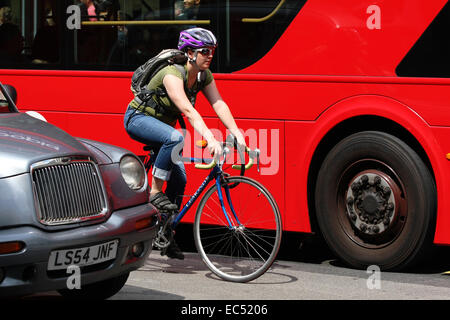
pixel 259 222
pixel 212 237
pixel 246 237
pixel 256 232
pixel 216 242
pixel 250 260
pixel 253 216
pixel 243 252
pixel 247 249
pixel 217 202
pixel 235 263
pixel 262 237
pixel 251 219
pixel 216 228
pixel 217 217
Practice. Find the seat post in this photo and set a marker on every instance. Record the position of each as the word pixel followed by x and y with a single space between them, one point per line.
pixel 152 151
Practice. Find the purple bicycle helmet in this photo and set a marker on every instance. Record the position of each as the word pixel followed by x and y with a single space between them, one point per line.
pixel 196 38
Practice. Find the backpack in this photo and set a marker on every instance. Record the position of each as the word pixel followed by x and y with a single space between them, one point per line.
pixel 142 75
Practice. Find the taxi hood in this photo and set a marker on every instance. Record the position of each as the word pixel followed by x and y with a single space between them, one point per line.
pixel 25 140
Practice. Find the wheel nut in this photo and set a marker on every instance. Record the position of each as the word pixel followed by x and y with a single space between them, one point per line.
pixel 377 180
pixel 375 229
pixel 364 179
pixel 387 191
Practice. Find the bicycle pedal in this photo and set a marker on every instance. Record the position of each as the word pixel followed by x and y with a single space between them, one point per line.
pixel 162 239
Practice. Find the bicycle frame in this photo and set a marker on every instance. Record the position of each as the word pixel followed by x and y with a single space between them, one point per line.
pixel 256 248
pixel 215 174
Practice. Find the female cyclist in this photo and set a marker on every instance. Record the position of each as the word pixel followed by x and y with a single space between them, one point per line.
pixel 199 45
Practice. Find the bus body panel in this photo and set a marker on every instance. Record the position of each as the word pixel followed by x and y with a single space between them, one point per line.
pixel 304 126
pixel 384 107
pixel 326 68
pixel 249 96
pixel 333 38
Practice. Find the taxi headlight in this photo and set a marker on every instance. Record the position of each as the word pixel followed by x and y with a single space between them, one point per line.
pixel 132 172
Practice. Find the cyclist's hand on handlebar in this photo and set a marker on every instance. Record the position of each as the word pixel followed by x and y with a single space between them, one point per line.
pixel 242 146
pixel 215 148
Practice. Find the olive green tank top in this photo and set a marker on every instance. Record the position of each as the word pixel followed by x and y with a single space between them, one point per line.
pixel 191 93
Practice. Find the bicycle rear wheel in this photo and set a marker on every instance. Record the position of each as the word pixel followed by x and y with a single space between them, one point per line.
pixel 245 250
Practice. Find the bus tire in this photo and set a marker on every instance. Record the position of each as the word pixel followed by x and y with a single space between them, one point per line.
pixel 375 202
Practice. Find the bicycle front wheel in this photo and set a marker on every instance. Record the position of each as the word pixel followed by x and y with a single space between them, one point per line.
pixel 241 243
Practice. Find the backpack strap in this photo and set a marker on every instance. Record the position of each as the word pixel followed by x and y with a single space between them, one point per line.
pixel 180 68
pixel 201 78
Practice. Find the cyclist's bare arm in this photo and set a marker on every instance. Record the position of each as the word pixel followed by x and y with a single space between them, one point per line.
pixel 175 90
pixel 223 112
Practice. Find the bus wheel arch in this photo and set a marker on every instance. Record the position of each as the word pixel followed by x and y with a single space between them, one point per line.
pixel 365 236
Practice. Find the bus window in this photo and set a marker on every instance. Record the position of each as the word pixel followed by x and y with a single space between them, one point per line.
pixel 252 28
pixel 45 46
pixel 120 35
pixel 125 34
pixel 11 37
pixel 93 43
pixel 28 33
pixel 429 57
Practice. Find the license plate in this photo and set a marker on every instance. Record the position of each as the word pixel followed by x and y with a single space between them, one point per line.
pixel 61 259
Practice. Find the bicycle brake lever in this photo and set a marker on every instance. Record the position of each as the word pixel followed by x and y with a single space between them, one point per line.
pixel 257 159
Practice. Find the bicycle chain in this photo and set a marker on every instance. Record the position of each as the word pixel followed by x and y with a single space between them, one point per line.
pixel 165 233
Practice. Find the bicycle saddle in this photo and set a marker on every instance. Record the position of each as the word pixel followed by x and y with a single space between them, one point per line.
pixel 152 147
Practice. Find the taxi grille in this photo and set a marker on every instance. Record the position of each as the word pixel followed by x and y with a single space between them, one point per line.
pixel 68 191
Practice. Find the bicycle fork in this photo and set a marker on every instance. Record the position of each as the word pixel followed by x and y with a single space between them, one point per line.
pixel 163 238
pixel 231 226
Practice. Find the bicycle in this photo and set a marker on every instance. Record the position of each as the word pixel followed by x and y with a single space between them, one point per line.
pixel 238 242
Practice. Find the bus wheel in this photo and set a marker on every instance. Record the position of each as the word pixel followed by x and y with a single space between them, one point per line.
pixel 376 202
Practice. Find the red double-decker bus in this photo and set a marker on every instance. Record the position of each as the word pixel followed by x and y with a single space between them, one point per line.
pixel 348 100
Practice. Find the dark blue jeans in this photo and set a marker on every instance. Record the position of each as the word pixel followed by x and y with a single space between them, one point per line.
pixel 168 165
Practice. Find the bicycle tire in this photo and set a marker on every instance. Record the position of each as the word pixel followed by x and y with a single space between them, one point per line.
pixel 247 251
